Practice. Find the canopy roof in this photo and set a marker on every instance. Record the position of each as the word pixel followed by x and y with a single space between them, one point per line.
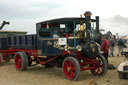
pixel 65 20
pixel 10 31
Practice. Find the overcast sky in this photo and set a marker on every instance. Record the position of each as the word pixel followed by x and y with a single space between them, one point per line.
pixel 23 14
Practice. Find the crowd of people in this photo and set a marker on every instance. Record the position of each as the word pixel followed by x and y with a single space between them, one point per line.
pixel 108 46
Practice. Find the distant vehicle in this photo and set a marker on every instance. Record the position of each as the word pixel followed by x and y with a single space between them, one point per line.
pixel 69 43
pixel 123 67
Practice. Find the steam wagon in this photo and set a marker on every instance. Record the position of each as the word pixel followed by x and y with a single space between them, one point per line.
pixel 67 43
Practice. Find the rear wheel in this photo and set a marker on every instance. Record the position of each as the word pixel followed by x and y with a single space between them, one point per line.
pixel 71 68
pixel 100 67
pixel 21 61
pixel 1 59
pixel 6 58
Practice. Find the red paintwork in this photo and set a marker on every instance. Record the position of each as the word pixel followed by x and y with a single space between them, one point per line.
pixel 13 51
pixel 94 64
pixel 99 68
pixel 9 51
pixel 87 64
pixel 47 61
pixel 69 69
pixel 18 62
pixel 67 35
pixel 29 52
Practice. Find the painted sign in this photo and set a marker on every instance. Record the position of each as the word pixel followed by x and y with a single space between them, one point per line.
pixel 62 41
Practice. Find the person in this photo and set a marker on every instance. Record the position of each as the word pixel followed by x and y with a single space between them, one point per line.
pixel 112 43
pixel 105 47
pixel 55 35
pixel 120 46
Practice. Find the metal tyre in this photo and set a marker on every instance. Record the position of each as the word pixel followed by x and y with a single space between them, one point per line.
pixel 126 75
pixel 101 67
pixel 71 68
pixel 1 59
pixel 21 61
pixel 121 75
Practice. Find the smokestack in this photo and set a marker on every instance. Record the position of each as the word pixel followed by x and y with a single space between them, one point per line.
pixel 88 20
pixel 97 24
pixel 88 24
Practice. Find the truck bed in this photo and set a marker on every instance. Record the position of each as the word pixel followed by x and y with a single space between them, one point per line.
pixel 22 42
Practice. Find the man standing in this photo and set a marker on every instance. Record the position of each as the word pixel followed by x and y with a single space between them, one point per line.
pixel 112 43
pixel 105 47
pixel 120 46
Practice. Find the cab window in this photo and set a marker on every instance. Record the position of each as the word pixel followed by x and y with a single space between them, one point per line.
pixel 44 33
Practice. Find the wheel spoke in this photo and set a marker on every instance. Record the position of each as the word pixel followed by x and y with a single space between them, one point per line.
pixel 18 61
pixel 67 64
pixel 67 72
pixel 100 65
pixel 68 69
pixel 98 69
pixel 73 73
pixel 98 72
pixel 70 64
pixel 68 75
pixel 73 68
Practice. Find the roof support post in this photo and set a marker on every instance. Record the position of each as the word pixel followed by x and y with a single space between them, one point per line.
pixel 74 36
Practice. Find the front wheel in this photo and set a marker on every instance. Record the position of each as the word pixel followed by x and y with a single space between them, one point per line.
pixel 71 68
pixel 100 66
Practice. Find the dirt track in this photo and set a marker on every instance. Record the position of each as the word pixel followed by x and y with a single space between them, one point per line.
pixel 38 75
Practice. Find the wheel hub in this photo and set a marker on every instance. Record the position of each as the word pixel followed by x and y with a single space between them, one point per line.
pixel 68 69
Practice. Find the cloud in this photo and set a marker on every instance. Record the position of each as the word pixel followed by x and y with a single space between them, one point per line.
pixel 116 24
pixel 24 14
pixel 22 9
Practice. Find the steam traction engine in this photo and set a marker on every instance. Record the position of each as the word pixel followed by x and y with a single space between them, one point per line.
pixel 68 43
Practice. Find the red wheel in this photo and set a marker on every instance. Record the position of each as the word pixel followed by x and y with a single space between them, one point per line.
pixel 1 59
pixel 6 58
pixel 18 61
pixel 21 61
pixel 71 68
pixel 101 66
